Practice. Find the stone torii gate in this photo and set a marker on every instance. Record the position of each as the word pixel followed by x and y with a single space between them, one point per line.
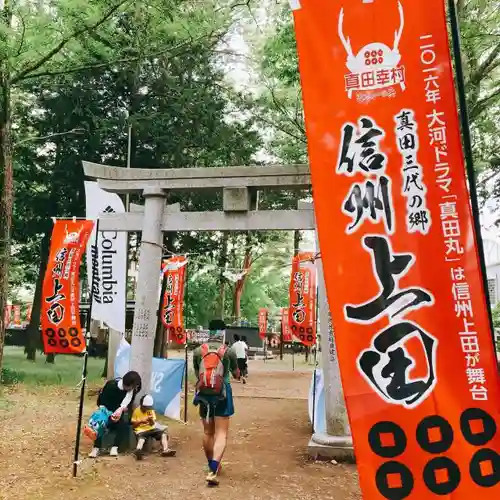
pixel 238 214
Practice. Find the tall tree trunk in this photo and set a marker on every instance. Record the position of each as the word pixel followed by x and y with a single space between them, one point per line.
pixel 160 330
pixel 297 238
pixel 6 176
pixel 222 280
pixel 33 330
pixel 104 373
pixel 238 289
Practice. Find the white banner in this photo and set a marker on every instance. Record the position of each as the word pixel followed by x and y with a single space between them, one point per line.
pixel 166 380
pixel 109 261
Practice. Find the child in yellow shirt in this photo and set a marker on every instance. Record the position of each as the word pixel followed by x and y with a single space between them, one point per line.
pixel 145 426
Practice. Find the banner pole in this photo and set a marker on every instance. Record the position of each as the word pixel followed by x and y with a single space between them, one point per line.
pixel 315 362
pixel 186 296
pixel 469 160
pixel 313 400
pixel 186 383
pixel 161 331
pixel 85 362
pixel 281 337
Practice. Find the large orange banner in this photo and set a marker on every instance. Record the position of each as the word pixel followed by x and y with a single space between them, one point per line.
pixel 60 315
pixel 302 310
pixel 172 312
pixel 401 265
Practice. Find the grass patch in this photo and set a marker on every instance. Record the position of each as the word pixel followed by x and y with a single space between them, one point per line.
pixel 67 369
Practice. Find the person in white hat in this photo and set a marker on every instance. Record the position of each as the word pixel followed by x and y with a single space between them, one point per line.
pixel 146 426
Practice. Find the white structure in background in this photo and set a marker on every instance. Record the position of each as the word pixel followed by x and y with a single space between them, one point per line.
pixel 491 244
pixel 490 218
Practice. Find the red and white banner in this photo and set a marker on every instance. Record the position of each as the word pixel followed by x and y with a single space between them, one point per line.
pixel 263 323
pixel 285 325
pixel 28 313
pixel 172 311
pixel 7 318
pixel 17 315
pixel 401 265
pixel 60 314
pixel 302 310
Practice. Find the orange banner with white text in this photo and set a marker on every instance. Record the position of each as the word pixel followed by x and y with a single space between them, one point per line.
pixel 285 325
pixel 172 311
pixel 302 309
pixel 263 313
pixel 60 312
pixel 401 265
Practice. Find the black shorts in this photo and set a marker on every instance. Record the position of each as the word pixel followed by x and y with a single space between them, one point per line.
pixel 242 365
pixel 222 408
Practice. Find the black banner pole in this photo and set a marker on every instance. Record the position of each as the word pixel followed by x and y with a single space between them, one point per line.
pixel 161 331
pixel 186 383
pixel 186 371
pixel 315 362
pixel 281 337
pixel 85 359
pixel 314 400
pixel 469 160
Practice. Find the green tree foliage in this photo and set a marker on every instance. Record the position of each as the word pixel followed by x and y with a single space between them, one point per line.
pixel 35 36
pixel 281 101
pixel 480 28
pixel 266 282
pixel 151 69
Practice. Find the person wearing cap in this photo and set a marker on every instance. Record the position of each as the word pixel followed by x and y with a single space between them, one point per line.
pixel 146 426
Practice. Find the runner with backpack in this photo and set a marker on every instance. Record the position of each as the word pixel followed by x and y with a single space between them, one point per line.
pixel 213 363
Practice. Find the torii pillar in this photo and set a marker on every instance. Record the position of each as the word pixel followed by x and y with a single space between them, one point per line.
pixel 146 302
pixel 337 442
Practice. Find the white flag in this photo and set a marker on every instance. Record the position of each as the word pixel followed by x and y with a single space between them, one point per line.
pixel 108 260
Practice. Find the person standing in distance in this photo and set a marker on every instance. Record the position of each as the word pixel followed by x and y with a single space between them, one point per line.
pixel 213 363
pixel 241 349
pixel 245 341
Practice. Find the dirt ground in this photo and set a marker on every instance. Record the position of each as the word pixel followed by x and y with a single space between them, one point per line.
pixel 266 456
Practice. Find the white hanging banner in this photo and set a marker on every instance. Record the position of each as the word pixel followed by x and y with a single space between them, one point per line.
pixel 109 260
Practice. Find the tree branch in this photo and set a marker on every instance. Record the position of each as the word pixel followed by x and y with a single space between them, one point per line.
pixel 487 66
pixel 481 104
pixel 21 43
pixel 124 60
pixel 50 136
pixel 47 57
